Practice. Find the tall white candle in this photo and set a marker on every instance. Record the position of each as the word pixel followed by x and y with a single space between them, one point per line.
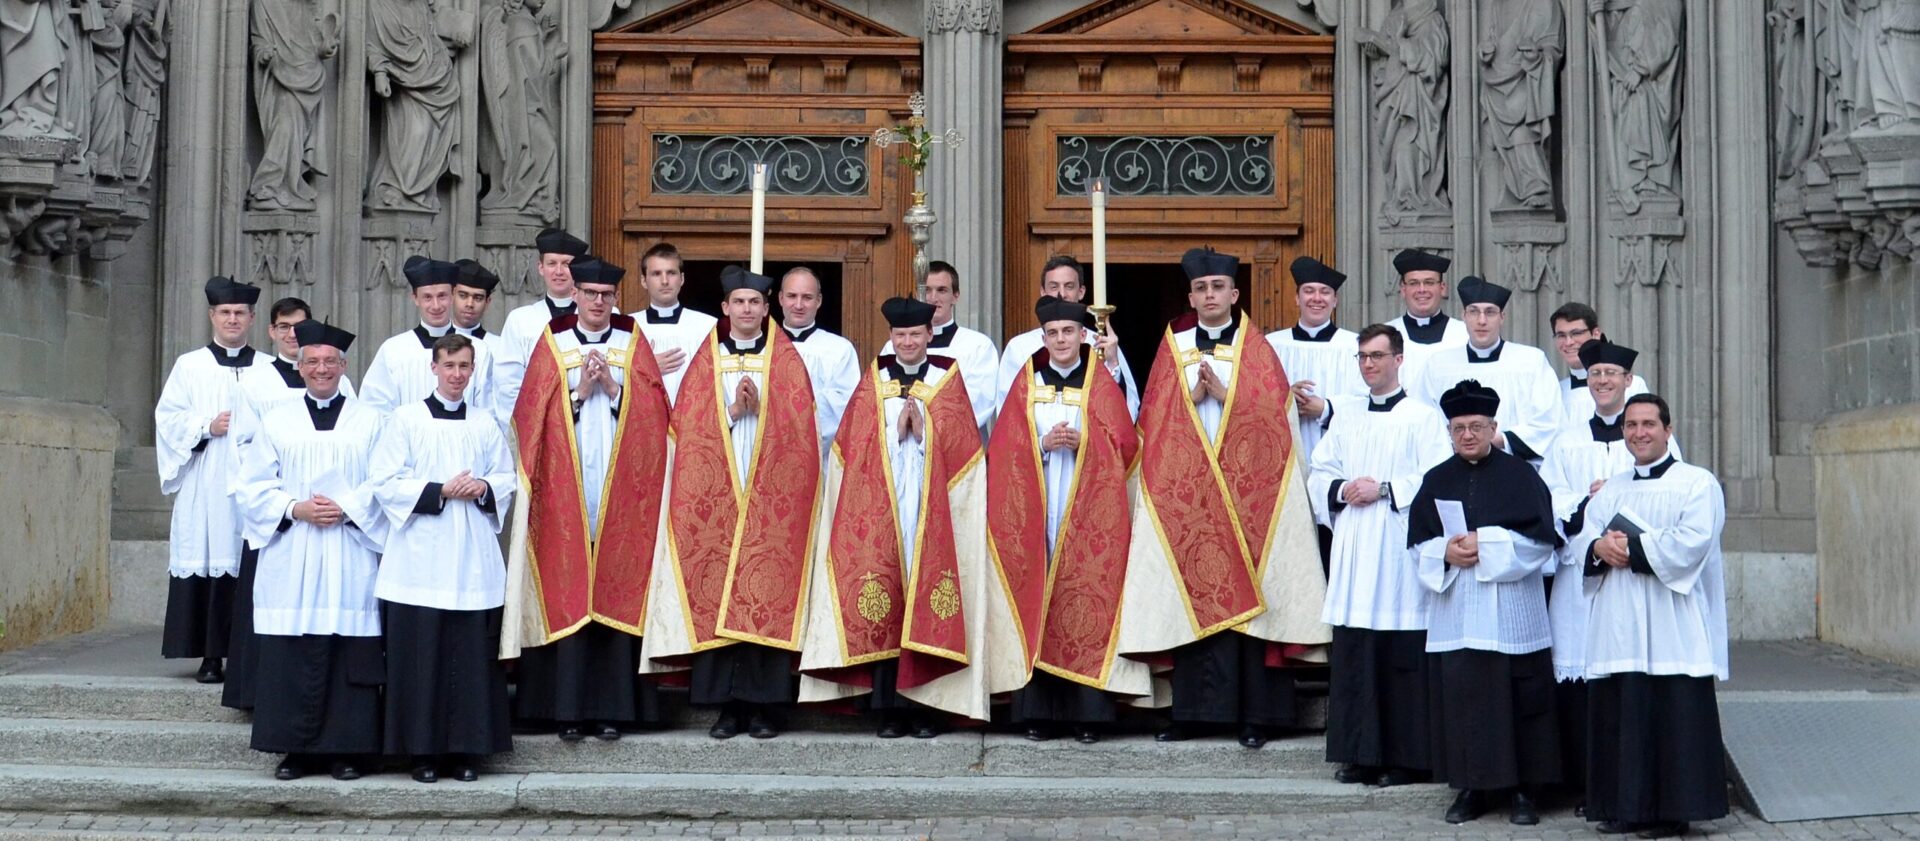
pixel 757 254
pixel 1099 198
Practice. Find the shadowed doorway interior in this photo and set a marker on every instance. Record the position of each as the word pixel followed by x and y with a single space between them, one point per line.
pixel 1146 297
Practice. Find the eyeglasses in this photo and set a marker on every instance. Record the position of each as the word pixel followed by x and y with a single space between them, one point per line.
pixel 1477 428
pixel 1376 356
pixel 595 295
pixel 1572 334
pixel 323 364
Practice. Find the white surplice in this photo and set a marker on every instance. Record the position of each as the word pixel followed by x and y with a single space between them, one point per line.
pixel 519 334
pixel 908 458
pixel 598 418
pixel 833 366
pixel 678 327
pixel 196 466
pixel 402 371
pixel 979 363
pixel 1414 358
pixel 740 360
pixel 442 553
pixel 264 388
pixel 1220 358
pixel 313 579
pixel 1372 579
pixel 1529 395
pixel 1498 604
pixel 1673 620
pixel 1326 358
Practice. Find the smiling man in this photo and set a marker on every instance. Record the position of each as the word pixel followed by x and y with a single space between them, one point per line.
pixel 402 369
pixel 556 250
pixel 978 360
pixel 198 456
pixel 1656 636
pixel 1427 330
pixel 1574 325
pixel 832 362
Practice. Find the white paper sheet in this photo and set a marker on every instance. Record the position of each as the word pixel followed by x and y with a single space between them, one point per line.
pixel 1453 517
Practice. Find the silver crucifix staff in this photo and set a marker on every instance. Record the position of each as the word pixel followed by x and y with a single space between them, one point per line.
pixel 919 145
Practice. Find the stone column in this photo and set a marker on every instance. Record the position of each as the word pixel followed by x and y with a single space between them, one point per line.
pixel 206 120
pixel 963 52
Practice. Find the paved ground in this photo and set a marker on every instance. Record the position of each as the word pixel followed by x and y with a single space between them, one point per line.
pixel 1383 826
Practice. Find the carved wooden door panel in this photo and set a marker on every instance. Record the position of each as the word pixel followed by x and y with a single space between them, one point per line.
pixel 1210 120
pixel 685 101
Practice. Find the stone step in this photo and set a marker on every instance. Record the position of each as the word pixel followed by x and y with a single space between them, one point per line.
pixel 737 796
pixel 963 753
pixel 124 698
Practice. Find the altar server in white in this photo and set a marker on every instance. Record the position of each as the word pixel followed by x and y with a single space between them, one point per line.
pixel 195 449
pixel 526 324
pixel 311 514
pixel 833 364
pixel 1064 278
pixel 1520 374
pixel 674 331
pixel 1656 637
pixel 978 359
pixel 1575 324
pixel 402 370
pixel 1365 474
pixel 1425 328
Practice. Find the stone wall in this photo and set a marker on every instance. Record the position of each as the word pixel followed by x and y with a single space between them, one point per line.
pixel 1868 474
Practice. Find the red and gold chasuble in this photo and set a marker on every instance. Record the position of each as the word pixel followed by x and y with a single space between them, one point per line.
pixel 742 554
pixel 1069 611
pixel 1189 482
pixel 591 572
pixel 882 611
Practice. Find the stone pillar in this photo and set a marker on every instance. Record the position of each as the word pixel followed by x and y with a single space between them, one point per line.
pixel 963 54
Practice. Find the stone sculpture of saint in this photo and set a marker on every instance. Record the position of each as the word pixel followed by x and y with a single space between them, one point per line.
pixel 107 147
pixel 520 68
pixel 145 72
pixel 1833 26
pixel 1519 95
pixel 30 57
pixel 1643 40
pixel 412 65
pixel 1409 77
pixel 291 42
pixel 1889 70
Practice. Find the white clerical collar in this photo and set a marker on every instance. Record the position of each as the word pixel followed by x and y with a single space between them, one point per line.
pixel 743 341
pixel 1214 332
pixel 911 370
pixel 559 303
pixel 290 360
pixel 1421 322
pixel 942 328
pixel 593 336
pixel 1577 373
pixel 1645 470
pixel 1063 371
pixel 664 312
pixel 1314 331
pixel 1611 419
pixel 230 351
pixel 1484 353
pixel 797 329
pixel 1381 399
pixel 319 403
pixel 449 405
pixel 465 331
pixel 437 332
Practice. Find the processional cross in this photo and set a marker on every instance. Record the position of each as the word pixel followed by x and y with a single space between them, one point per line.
pixel 918 142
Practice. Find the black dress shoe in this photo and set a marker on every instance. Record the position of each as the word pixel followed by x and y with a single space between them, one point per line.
pixel 1522 811
pixel 1253 736
pixel 761 727
pixel 891 727
pixel 210 671
pixel 466 772
pixel 1039 733
pixel 1086 735
pixel 426 774
pixel 1400 777
pixel 925 729
pixel 1616 827
pixel 1469 805
pixel 726 726
pixel 572 733
pixel 1663 829
pixel 606 732
pixel 1365 775
pixel 291 768
pixel 344 770
pixel 1174 733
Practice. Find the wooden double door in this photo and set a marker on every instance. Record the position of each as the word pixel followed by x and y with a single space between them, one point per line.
pixel 1210 120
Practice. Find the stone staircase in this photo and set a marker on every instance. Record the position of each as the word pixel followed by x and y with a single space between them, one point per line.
pixel 85 730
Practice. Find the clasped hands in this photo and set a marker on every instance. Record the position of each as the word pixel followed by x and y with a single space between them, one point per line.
pixel 1362 491
pixel 913 422
pixel 746 400
pixel 1209 385
pixel 1612 550
pixel 463 487
pixel 1060 437
pixel 1464 551
pixel 597 375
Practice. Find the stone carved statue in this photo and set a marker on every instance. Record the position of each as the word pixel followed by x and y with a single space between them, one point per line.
pixel 107 144
pixel 145 73
pixel 1519 81
pixel 1638 43
pixel 409 54
pixel 31 53
pixel 521 63
pixel 1889 68
pixel 1797 107
pixel 1409 77
pixel 1833 27
pixel 291 42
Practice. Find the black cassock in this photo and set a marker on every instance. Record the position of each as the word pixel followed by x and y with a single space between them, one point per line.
pixel 590 675
pixel 446 689
pixel 1493 715
pixel 744 672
